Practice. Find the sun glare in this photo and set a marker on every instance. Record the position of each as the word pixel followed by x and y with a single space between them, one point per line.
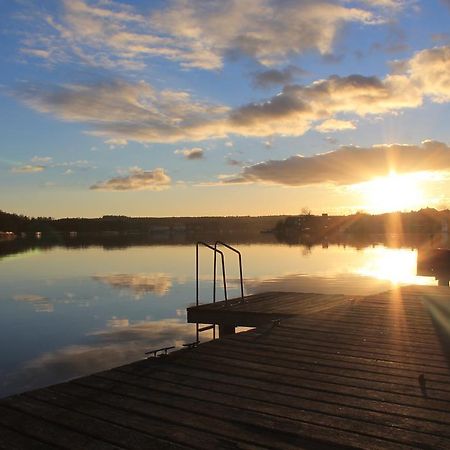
pixel 393 193
pixel 395 265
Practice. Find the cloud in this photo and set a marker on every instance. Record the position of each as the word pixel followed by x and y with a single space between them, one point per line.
pixel 233 162
pixel 94 33
pixel 41 159
pixel 272 77
pixel 116 142
pixel 28 168
pixel 294 110
pixel 191 153
pixel 140 284
pixel 335 125
pixel 136 111
pixel 268 31
pixel 78 164
pixel 388 4
pixel 193 33
pixel 122 110
pixel 40 303
pixel 348 165
pixel 441 37
pixel 430 71
pixel 138 180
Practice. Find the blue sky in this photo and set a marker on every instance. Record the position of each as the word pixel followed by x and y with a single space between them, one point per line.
pixel 223 107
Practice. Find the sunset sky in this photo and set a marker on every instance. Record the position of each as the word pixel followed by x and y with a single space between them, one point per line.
pixel 223 107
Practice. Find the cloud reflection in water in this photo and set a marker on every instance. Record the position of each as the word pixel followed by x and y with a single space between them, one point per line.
pixel 39 302
pixel 120 343
pixel 140 284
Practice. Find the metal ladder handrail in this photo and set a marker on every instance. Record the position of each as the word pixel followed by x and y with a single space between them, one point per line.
pixel 240 264
pixel 215 250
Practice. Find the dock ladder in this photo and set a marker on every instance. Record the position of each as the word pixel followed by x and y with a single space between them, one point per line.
pixel 216 251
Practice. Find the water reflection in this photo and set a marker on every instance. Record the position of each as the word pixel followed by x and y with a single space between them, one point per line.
pixel 39 303
pixel 139 284
pixel 89 289
pixel 396 266
pixel 121 342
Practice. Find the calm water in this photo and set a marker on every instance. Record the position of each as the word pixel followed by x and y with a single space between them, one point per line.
pixel 65 312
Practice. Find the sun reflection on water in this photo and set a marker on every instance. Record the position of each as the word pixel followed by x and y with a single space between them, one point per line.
pixel 398 266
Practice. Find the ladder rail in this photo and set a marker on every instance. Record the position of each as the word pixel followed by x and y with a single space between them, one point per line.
pixel 240 264
pixel 215 250
pixel 224 279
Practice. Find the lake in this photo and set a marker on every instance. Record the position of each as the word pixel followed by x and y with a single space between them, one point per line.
pixel 67 311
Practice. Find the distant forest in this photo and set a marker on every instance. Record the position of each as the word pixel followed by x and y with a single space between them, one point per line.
pixel 424 221
pixel 121 224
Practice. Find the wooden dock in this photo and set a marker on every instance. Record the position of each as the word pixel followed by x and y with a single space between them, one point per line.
pixel 370 372
pixel 260 309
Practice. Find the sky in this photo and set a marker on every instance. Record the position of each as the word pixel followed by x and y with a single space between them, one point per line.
pixel 223 107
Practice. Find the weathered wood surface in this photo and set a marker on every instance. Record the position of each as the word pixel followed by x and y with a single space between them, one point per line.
pixel 259 309
pixel 369 373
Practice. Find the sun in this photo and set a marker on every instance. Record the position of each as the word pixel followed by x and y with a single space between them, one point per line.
pixel 393 193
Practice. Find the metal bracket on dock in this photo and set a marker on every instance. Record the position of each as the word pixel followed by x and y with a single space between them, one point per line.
pixel 276 323
pixel 191 344
pixel 154 353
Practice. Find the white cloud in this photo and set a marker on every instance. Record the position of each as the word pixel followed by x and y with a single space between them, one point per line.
pixel 137 111
pixel 192 32
pixel 41 159
pixel 27 168
pixel 389 4
pixel 122 110
pixel 266 30
pixel 335 125
pixel 348 165
pixel 430 71
pixel 137 180
pixel 116 142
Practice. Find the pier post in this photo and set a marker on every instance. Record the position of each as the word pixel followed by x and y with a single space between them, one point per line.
pixel 226 330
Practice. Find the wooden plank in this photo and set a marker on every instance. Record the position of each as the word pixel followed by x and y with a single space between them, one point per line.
pixel 357 368
pixel 287 427
pixel 12 440
pixel 215 366
pixel 325 346
pixel 314 372
pixel 264 400
pixel 31 425
pixel 181 414
pixel 62 411
pixel 240 385
pixel 241 382
pixel 276 304
pixel 290 345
